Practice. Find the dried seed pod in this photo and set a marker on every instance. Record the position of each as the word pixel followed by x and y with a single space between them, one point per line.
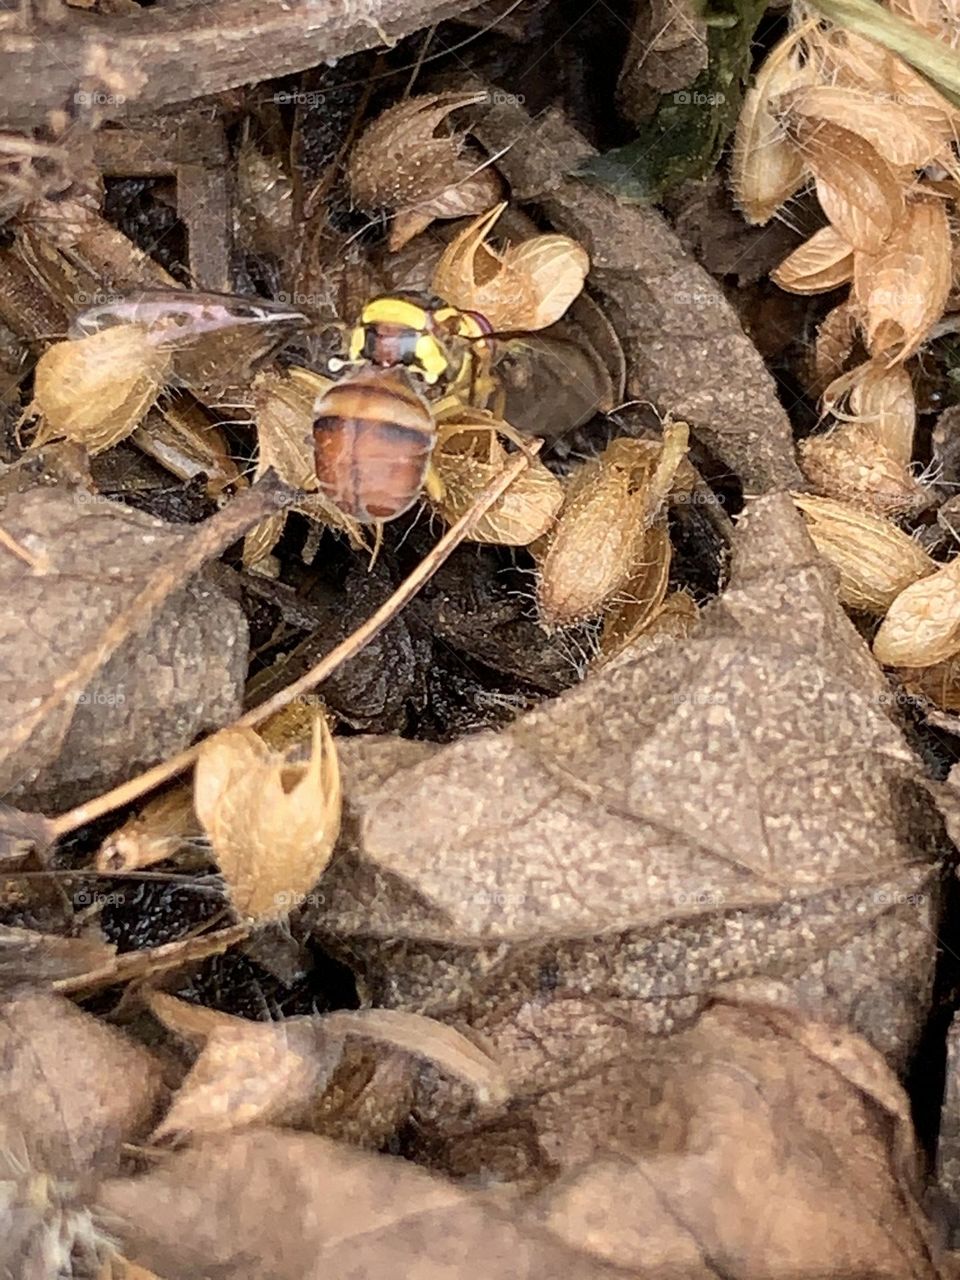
pixel 922 626
pixel 900 134
pixel 96 390
pixel 598 542
pixel 836 339
pixel 875 559
pixel 272 824
pixel 283 411
pixel 858 190
pixel 880 398
pixel 643 593
pixel 400 164
pixel 767 169
pixel 468 455
pixel 849 463
pixel 157 832
pixel 823 262
pixel 526 286
pixel 902 291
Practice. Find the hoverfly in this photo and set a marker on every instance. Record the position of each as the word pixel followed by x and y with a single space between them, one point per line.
pixel 375 431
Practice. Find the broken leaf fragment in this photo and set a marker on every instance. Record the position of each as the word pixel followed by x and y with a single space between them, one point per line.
pixel 96 390
pixel 272 823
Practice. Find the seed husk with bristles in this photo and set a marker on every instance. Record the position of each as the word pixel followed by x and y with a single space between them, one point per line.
pixel 876 560
pixel 96 390
pixel 824 262
pixel 766 168
pixel 901 135
pixel 880 398
pixel 858 189
pixel 922 626
pixel 902 290
pixel 849 463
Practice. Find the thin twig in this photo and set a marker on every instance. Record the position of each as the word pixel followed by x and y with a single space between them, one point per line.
pixel 343 652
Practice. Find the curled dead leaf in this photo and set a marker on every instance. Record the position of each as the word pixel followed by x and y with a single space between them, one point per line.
pixel 922 626
pixel 823 262
pixel 525 286
pixel 467 457
pixel 875 559
pixel 96 390
pixel 902 290
pixel 767 169
pixel 858 189
pixel 272 824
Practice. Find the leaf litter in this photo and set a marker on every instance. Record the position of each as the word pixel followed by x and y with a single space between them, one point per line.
pixel 557 874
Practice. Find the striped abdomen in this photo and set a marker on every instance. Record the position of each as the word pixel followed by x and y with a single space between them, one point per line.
pixel 373 436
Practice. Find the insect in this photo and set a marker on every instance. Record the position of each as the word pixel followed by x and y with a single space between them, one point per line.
pixel 215 339
pixel 375 431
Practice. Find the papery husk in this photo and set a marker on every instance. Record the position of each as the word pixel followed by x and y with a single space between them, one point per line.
pixel 598 543
pixel 399 161
pixel 902 291
pixel 922 626
pixel 468 455
pixel 474 193
pixel 849 463
pixel 96 390
pixel 823 262
pixel 272 824
pixel 526 286
pixel 834 344
pixel 901 135
pixel 766 168
pixel 283 404
pixel 857 188
pixel 876 560
pixel 643 593
pixel 880 398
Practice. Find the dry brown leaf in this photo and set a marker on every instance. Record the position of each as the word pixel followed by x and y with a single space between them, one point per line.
pixel 272 824
pixel 767 169
pixel 31 958
pixel 849 463
pixel 468 455
pixel 525 286
pixel 875 559
pixel 902 291
pixel 823 262
pixel 96 390
pixel 80 690
pixel 468 877
pixel 859 191
pixel 400 164
pixel 880 398
pixel 299 1207
pixel 897 131
pixel 922 626
pixel 939 684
